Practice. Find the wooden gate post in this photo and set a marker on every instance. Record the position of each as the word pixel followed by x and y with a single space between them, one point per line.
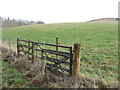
pixel 76 60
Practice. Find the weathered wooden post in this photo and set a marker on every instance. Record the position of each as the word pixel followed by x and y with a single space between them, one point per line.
pixel 76 60
pixel 57 43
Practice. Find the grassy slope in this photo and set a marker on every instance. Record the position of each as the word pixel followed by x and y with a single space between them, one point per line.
pixel 12 78
pixel 98 40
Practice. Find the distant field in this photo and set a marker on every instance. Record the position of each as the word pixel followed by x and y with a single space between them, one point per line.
pixel 99 43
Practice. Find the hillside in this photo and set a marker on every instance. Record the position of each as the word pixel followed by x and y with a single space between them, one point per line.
pixel 105 19
pixel 68 33
pixel 99 43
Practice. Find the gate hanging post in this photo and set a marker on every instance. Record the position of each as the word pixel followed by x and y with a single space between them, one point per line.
pixel 76 60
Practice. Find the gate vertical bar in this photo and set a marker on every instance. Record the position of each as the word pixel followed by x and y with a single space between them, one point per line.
pixel 42 54
pixel 28 48
pixel 57 43
pixel 71 60
pixel 36 50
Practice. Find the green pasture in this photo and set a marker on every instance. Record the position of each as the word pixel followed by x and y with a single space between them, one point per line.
pixel 99 43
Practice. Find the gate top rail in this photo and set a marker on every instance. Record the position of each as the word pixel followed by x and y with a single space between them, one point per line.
pixel 45 43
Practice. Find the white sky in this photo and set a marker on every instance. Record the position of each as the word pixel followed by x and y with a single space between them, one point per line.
pixel 59 11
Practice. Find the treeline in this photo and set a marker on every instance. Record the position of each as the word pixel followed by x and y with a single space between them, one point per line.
pixel 7 22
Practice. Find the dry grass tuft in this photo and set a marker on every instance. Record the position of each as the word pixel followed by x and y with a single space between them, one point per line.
pixel 81 82
pixel 7 49
pixel 22 65
pixel 36 72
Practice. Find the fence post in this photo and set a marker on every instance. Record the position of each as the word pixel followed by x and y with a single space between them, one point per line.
pixel 9 42
pixel 18 47
pixel 76 60
pixel 33 52
pixel 57 43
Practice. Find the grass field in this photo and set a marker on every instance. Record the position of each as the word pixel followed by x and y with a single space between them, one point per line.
pixel 12 78
pixel 99 44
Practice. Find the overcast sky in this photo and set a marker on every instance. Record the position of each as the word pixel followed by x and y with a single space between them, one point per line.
pixel 59 11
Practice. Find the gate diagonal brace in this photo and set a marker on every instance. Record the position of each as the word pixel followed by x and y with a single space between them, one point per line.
pixel 24 50
pixel 42 49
